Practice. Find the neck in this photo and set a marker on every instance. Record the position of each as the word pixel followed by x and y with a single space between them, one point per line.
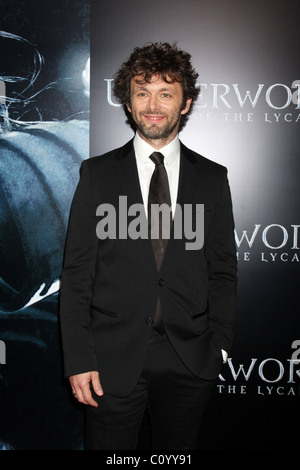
pixel 158 144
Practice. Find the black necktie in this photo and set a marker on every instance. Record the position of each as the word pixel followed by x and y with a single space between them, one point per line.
pixel 159 193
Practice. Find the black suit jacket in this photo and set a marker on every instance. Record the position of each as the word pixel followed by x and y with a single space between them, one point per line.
pixel 109 288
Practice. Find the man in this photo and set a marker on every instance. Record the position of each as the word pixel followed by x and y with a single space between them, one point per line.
pixel 138 331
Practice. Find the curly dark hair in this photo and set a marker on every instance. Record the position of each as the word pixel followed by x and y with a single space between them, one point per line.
pixel 171 63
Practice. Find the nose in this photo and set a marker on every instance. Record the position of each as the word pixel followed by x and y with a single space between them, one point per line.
pixel 153 103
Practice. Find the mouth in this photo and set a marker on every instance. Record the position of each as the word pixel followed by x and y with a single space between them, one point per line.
pixel 154 119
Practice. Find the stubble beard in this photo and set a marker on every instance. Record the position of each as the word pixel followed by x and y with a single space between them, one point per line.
pixel 154 132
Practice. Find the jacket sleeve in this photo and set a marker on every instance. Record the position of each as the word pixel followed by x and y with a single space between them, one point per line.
pixel 77 279
pixel 222 267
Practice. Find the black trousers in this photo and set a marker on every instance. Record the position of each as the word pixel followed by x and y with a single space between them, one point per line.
pixel 175 399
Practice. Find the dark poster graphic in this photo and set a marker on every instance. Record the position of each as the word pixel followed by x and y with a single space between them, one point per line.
pixel 44 136
pixel 247 118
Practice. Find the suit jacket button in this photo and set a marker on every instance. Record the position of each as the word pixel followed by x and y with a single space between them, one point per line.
pixel 149 321
pixel 161 282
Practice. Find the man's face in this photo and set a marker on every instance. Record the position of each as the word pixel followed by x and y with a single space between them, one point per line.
pixel 156 108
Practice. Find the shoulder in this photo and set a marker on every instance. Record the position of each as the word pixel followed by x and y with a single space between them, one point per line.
pixel 109 158
pixel 214 172
pixel 202 163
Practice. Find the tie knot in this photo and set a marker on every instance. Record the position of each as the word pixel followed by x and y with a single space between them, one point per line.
pixel 157 158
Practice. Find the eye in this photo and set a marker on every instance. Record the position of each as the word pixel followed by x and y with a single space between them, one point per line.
pixel 165 95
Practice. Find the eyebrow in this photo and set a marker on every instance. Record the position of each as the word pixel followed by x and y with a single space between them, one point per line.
pixel 143 88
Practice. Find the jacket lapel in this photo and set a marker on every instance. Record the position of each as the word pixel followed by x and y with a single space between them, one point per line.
pixel 187 185
pixel 129 184
pixel 188 177
pixel 128 174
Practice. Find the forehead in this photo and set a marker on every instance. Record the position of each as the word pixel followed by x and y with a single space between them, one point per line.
pixel 156 82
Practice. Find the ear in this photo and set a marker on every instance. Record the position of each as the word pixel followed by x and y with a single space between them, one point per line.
pixel 187 106
pixel 128 107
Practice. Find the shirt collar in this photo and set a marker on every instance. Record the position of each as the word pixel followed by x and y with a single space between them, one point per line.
pixel 143 150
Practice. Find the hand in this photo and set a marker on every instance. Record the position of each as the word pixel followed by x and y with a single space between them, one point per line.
pixel 80 384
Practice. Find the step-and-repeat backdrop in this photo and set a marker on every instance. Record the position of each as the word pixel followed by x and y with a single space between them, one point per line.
pixel 54 114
